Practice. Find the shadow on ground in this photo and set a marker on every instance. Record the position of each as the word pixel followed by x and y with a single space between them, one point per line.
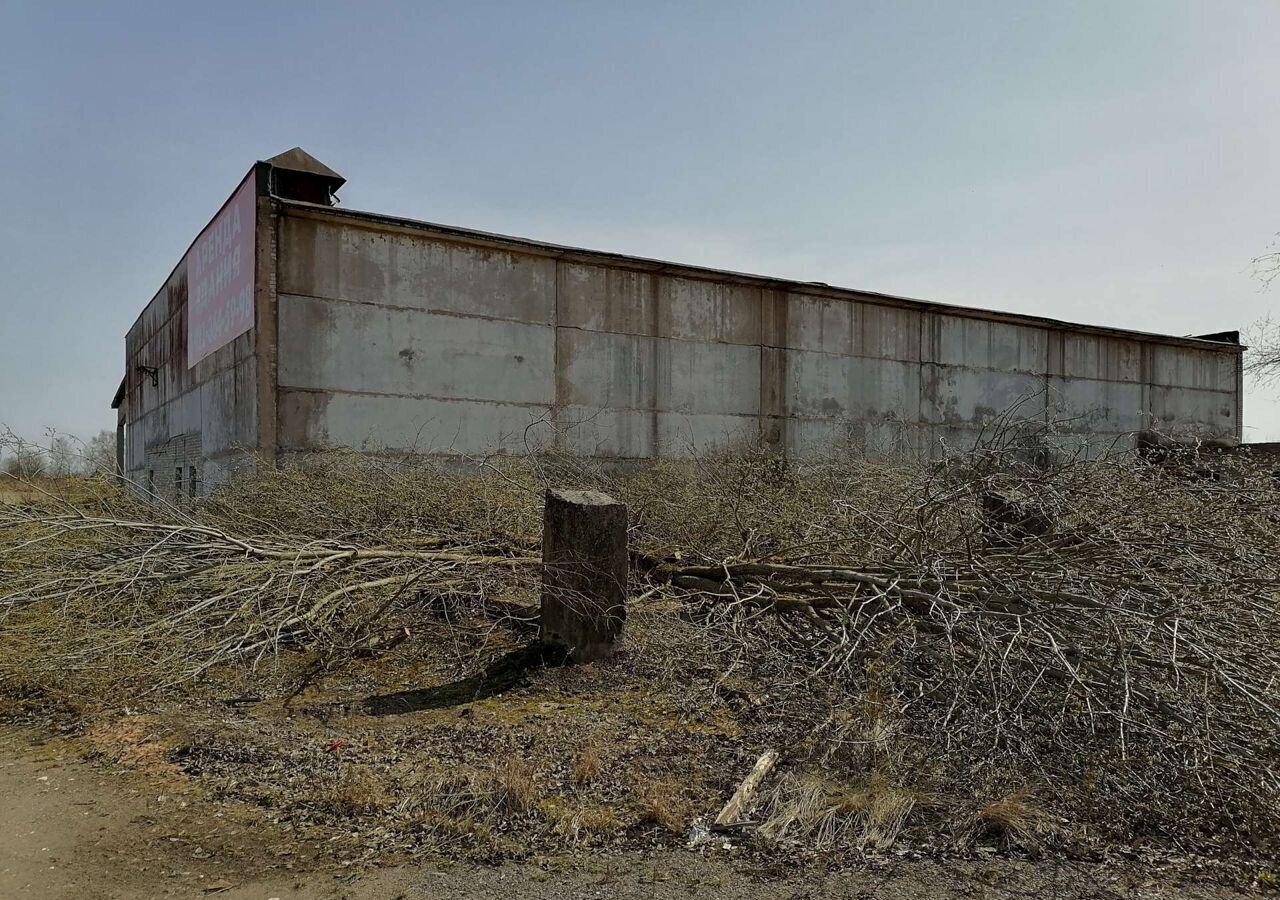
pixel 503 674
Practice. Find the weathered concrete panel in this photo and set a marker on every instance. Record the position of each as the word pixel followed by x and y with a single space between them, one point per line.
pixel 612 433
pixel 1100 359
pixel 606 370
pixel 1086 446
pixel 1182 410
pixel 216 413
pixel 633 372
pixel 849 387
pixel 601 298
pixel 706 311
pixel 228 410
pixel 981 344
pixel 888 332
pixel 685 434
pixel 957 396
pixel 222 469
pixel 1098 406
pixel 382 423
pixel 646 434
pixel 1184 367
pixel 458 347
pixel 811 438
pixel 892 438
pixel 354 347
pixel 944 440
pixel 819 323
pixel 213 426
pixel 366 266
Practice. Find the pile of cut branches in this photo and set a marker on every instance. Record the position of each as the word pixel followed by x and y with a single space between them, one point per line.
pixel 1100 634
pixel 169 597
pixel 1108 632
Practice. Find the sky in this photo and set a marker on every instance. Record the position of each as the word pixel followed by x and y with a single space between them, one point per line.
pixel 1099 161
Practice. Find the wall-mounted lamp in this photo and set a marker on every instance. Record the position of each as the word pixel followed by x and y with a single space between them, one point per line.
pixel 152 371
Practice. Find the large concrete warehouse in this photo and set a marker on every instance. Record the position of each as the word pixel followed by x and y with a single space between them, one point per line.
pixel 291 326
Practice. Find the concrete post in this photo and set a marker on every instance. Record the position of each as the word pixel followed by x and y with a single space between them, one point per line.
pixel 584 572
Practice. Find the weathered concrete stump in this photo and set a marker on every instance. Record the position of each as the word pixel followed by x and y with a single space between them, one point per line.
pixel 584 572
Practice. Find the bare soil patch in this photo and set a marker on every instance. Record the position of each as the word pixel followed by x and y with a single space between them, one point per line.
pixel 72 829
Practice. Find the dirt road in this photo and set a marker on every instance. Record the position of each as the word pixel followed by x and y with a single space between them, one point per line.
pixel 69 829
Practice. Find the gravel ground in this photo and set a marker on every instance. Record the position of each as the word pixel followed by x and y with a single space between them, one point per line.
pixel 69 829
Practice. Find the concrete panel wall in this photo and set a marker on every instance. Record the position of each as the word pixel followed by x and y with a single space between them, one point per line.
pixel 392 337
pixel 361 348
pixel 376 423
pixel 633 372
pixel 377 267
pixel 205 416
pixel 388 342
pixel 823 385
pixel 1110 407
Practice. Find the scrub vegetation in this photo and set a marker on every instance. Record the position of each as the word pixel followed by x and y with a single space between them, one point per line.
pixel 1008 650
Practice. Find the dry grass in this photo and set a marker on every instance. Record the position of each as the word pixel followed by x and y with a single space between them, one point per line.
pixel 133 741
pixel 360 792
pixel 1013 820
pixel 517 786
pixel 817 812
pixel 589 764
pixel 47 492
pixel 465 807
pixel 878 810
pixel 458 804
pixel 583 823
pixel 861 617
pixel 662 802
pixel 799 810
pixel 18 497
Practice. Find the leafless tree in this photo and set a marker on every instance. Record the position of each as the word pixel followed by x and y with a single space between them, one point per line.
pixel 1267 266
pixel 25 462
pixel 63 457
pixel 99 457
pixel 58 455
pixel 1262 362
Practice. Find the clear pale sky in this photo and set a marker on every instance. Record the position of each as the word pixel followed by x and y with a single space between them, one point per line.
pixel 1112 162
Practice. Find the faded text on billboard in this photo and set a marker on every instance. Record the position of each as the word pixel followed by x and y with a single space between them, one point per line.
pixel 220 276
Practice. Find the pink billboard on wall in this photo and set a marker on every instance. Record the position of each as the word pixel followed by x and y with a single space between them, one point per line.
pixel 220 270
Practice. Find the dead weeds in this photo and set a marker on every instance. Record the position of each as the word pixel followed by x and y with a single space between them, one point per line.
pixel 851 614
pixel 1015 820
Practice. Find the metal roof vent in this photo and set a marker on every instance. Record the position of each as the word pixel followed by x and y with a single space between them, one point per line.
pixel 297 175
